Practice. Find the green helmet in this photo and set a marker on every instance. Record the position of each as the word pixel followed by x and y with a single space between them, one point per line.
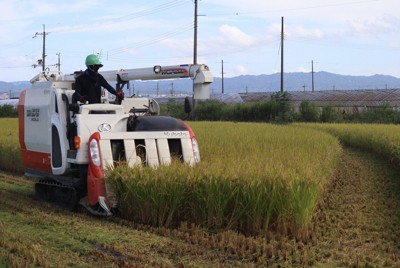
pixel 92 60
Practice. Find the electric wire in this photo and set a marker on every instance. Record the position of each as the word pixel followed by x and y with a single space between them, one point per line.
pixel 299 8
pixel 129 17
pixel 151 41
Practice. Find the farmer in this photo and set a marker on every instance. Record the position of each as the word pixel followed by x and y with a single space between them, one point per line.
pixel 88 85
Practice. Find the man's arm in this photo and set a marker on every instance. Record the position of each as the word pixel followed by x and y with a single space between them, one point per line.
pixel 120 95
pixel 107 86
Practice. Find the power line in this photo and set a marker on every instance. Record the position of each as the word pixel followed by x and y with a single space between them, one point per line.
pixel 132 16
pixel 295 8
pixel 155 40
pixel 153 10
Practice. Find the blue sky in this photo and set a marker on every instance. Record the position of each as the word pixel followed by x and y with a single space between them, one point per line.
pixel 352 37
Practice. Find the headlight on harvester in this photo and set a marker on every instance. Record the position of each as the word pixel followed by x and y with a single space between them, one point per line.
pixel 195 146
pixel 196 151
pixel 94 152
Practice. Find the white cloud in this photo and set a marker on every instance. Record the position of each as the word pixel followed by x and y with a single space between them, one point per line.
pixel 301 32
pixel 16 61
pixel 375 26
pixel 229 39
pixel 146 33
pixel 295 31
pixel 232 36
pixel 13 10
pixel 240 70
pixel 302 70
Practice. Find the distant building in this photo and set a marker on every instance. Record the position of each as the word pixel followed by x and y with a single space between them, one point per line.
pixel 348 101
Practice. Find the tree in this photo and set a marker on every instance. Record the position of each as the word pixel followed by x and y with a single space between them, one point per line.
pixel 308 112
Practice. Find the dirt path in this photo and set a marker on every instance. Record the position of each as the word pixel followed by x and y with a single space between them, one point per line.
pixel 358 223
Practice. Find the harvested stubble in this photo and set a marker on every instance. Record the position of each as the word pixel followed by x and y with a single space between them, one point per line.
pixel 252 178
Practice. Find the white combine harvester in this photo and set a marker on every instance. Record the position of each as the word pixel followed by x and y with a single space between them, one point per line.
pixel 70 145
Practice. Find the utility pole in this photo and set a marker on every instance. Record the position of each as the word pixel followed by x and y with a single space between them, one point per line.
pixel 194 50
pixel 222 62
pixel 195 34
pixel 282 70
pixel 59 62
pixel 312 75
pixel 44 46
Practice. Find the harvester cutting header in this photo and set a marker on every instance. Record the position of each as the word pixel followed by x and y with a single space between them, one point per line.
pixel 70 144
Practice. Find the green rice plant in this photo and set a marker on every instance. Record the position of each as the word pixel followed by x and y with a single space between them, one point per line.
pixel 5 263
pixel 259 205
pixel 212 203
pixel 153 197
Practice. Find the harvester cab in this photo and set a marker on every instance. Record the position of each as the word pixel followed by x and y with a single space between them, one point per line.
pixel 71 145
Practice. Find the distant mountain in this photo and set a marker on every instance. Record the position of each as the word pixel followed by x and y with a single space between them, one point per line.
pixel 303 81
pixel 248 83
pixel 13 87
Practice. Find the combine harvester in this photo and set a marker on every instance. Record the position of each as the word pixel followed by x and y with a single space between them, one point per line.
pixel 70 145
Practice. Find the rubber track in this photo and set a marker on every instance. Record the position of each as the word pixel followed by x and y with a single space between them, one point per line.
pixel 54 192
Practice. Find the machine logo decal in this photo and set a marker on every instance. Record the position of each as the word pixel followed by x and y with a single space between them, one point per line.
pixel 176 134
pixel 171 71
pixel 105 127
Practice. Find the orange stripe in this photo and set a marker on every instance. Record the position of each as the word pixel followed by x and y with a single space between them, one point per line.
pixel 21 119
pixel 30 159
pixel 36 160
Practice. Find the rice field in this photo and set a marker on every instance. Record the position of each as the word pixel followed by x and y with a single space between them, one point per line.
pixel 10 159
pixel 253 178
pixel 258 179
